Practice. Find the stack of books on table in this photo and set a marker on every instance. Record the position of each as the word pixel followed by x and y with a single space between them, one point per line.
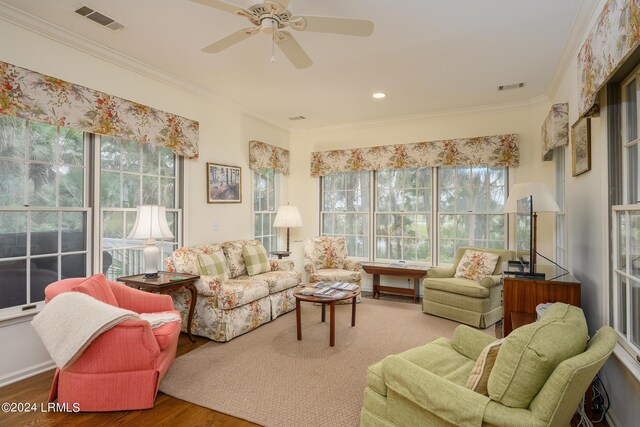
pixel 328 292
pixel 344 286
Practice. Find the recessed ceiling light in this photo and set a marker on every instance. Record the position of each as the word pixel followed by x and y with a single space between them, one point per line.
pixel 379 95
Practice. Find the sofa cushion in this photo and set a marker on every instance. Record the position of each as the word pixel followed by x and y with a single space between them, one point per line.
pixel 184 260
pixel 476 265
pixel 457 286
pixel 97 287
pixel 255 259
pixel 530 354
pixel 326 252
pixel 277 280
pixel 504 254
pixel 334 275
pixel 375 380
pixel 165 334
pixel 238 292
pixel 233 252
pixel 213 264
pixel 482 369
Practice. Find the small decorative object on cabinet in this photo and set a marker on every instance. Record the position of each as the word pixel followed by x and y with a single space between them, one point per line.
pixel 224 183
pixel 521 294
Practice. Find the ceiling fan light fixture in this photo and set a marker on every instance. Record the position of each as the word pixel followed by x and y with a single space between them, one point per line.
pixel 379 95
pixel 268 25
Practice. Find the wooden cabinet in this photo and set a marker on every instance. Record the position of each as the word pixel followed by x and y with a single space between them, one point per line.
pixel 522 294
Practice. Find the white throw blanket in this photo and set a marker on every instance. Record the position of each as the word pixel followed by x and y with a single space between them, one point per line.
pixel 71 321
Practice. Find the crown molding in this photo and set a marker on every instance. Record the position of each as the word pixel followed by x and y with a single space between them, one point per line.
pixel 426 116
pixel 75 41
pixel 577 34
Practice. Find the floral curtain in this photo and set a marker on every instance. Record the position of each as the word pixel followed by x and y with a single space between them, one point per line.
pixel 498 150
pixel 615 35
pixel 555 130
pixel 265 156
pixel 38 97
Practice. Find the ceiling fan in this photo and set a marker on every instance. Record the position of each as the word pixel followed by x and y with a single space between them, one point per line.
pixel 272 17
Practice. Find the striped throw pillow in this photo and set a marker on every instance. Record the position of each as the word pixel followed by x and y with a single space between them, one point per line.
pixel 255 259
pixel 213 264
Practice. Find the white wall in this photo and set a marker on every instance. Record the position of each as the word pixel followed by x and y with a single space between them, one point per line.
pixel 225 132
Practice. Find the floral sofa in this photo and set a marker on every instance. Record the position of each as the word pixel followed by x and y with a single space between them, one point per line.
pixel 227 307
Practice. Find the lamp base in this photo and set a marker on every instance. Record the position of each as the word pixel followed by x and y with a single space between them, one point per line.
pixel 150 254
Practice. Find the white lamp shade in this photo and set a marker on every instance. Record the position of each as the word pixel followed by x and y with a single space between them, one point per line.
pixel 151 223
pixel 288 216
pixel 543 201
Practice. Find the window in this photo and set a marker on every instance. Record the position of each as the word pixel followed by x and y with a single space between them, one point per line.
pixel 561 227
pixel 471 200
pixel 133 174
pixel 403 214
pixel 626 227
pixel 345 209
pixel 265 206
pixel 43 208
pixel 47 206
pixel 468 211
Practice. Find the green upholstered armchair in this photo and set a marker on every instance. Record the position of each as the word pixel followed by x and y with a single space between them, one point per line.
pixel 426 386
pixel 466 301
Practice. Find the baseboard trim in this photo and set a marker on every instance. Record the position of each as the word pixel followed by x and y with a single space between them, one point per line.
pixel 26 373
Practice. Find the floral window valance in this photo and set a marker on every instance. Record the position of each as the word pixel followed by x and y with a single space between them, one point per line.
pixel 498 150
pixel 615 36
pixel 555 130
pixel 265 156
pixel 38 97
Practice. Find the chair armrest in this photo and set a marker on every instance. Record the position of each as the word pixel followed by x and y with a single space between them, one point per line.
pixel 470 342
pixel 309 267
pixel 208 285
pixel 129 346
pixel 281 265
pixel 491 281
pixel 352 264
pixel 441 272
pixel 140 301
pixel 452 402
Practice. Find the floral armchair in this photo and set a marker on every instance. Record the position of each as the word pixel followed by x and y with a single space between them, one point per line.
pixel 326 260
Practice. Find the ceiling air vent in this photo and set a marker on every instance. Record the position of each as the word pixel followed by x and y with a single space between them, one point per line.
pixel 511 86
pixel 297 118
pixel 99 18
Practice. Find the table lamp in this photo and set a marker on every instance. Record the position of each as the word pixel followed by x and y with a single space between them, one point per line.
pixel 288 216
pixel 151 224
pixel 543 201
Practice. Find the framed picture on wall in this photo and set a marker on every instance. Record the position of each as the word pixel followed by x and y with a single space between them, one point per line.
pixel 224 183
pixel 581 146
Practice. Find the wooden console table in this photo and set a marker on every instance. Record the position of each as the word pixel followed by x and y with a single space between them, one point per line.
pixel 522 294
pixel 377 269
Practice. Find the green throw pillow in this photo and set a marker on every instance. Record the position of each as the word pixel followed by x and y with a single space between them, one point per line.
pixel 255 259
pixel 531 353
pixel 213 264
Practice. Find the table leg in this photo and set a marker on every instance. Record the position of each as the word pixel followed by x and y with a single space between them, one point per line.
pixel 194 295
pixel 376 283
pixel 298 320
pixel 416 289
pixel 353 311
pixel 323 311
pixel 332 323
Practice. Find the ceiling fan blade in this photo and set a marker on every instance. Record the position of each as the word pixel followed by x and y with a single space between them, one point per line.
pixel 218 4
pixel 324 24
pixel 292 49
pixel 230 40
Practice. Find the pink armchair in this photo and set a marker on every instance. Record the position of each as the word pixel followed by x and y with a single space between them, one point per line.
pixel 122 368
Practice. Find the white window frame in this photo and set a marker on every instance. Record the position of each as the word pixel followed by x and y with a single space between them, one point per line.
pixel 562 254
pixel 272 233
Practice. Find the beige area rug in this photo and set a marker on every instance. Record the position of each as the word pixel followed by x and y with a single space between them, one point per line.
pixel 268 377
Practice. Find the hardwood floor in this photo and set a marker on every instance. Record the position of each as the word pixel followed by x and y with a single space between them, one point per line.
pixel 168 411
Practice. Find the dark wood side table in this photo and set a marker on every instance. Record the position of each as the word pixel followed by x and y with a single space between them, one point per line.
pixel 165 283
pixel 521 294
pixel 332 311
pixel 414 271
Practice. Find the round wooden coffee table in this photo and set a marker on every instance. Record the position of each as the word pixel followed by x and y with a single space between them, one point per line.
pixel 332 311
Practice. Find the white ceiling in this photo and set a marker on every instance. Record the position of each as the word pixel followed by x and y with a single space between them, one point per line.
pixel 427 55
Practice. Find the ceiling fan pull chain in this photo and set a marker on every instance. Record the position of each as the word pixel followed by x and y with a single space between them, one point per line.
pixel 273 48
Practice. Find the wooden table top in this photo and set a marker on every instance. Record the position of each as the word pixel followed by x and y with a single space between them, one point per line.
pixel 395 269
pixel 311 298
pixel 164 279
